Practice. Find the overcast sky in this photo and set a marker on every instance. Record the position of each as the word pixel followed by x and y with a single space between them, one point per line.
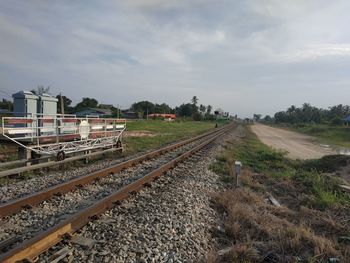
pixel 243 56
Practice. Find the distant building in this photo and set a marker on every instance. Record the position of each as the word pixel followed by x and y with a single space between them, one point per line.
pixel 220 114
pixel 93 112
pixel 105 106
pixel 128 114
pixel 162 115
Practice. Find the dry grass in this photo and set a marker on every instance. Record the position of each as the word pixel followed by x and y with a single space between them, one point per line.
pixel 262 232
pixel 312 225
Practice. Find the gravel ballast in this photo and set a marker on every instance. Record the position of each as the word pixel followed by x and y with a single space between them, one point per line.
pixel 27 223
pixel 170 221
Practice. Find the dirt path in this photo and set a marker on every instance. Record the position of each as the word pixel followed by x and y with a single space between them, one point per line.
pixel 298 146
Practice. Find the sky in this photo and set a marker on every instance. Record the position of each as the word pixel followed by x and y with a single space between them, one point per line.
pixel 246 57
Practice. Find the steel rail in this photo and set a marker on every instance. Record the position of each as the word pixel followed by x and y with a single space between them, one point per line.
pixel 16 205
pixel 48 163
pixel 32 248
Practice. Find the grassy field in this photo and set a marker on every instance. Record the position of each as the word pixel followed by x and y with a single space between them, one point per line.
pixel 328 134
pixel 310 225
pixel 164 132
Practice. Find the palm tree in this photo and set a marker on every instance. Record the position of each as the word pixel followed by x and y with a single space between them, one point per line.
pixel 194 100
pixel 209 108
pixel 202 108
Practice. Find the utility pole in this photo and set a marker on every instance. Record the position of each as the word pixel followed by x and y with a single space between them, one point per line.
pixel 62 105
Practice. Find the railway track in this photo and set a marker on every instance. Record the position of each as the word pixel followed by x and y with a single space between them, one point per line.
pixel 64 213
pixel 45 162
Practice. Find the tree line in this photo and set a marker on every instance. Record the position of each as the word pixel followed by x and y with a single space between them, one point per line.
pixel 309 114
pixel 192 109
pixel 189 110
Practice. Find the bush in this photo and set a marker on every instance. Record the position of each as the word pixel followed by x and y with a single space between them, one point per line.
pixel 326 164
pixel 337 121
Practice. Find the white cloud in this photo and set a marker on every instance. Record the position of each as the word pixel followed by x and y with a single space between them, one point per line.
pixel 230 53
pixel 319 51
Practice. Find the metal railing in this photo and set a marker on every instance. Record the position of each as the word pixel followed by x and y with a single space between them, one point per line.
pixel 49 134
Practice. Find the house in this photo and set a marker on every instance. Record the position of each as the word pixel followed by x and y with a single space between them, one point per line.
pixel 105 106
pixel 4 111
pixel 96 112
pixel 127 114
pixel 220 114
pixel 162 115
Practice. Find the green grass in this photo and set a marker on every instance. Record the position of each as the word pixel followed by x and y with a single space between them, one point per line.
pixel 306 175
pixel 325 133
pixel 165 132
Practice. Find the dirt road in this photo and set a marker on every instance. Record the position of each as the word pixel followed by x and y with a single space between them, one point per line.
pixel 298 146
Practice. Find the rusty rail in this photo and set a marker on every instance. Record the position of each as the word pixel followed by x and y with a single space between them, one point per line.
pixel 30 249
pixel 48 162
pixel 16 205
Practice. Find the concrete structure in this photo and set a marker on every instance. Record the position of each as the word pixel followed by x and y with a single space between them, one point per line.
pixel 25 103
pixel 47 105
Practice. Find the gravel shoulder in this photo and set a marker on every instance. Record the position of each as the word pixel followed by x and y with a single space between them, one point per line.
pixel 28 222
pixel 298 146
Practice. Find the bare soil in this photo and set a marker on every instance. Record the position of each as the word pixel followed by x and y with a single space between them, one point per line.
pixel 298 146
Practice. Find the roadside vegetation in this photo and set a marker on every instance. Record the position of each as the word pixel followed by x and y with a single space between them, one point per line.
pixel 329 134
pixel 329 126
pixel 311 225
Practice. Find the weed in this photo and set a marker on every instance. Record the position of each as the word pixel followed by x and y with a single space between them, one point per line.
pixel 330 134
pixel 303 229
pixel 255 226
pixel 165 132
pixel 308 175
pixel 326 164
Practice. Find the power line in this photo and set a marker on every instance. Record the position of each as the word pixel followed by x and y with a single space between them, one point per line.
pixel 5 92
pixel 7 95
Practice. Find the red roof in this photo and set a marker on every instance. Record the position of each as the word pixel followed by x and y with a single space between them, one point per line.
pixel 165 116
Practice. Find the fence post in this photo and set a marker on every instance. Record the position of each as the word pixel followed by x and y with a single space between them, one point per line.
pixel 238 166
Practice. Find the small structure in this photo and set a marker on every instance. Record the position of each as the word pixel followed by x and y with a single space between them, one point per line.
pixel 98 112
pixel 105 106
pixel 60 135
pixel 38 130
pixel 162 115
pixel 220 114
pixel 128 114
pixel 47 105
pixel 25 103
